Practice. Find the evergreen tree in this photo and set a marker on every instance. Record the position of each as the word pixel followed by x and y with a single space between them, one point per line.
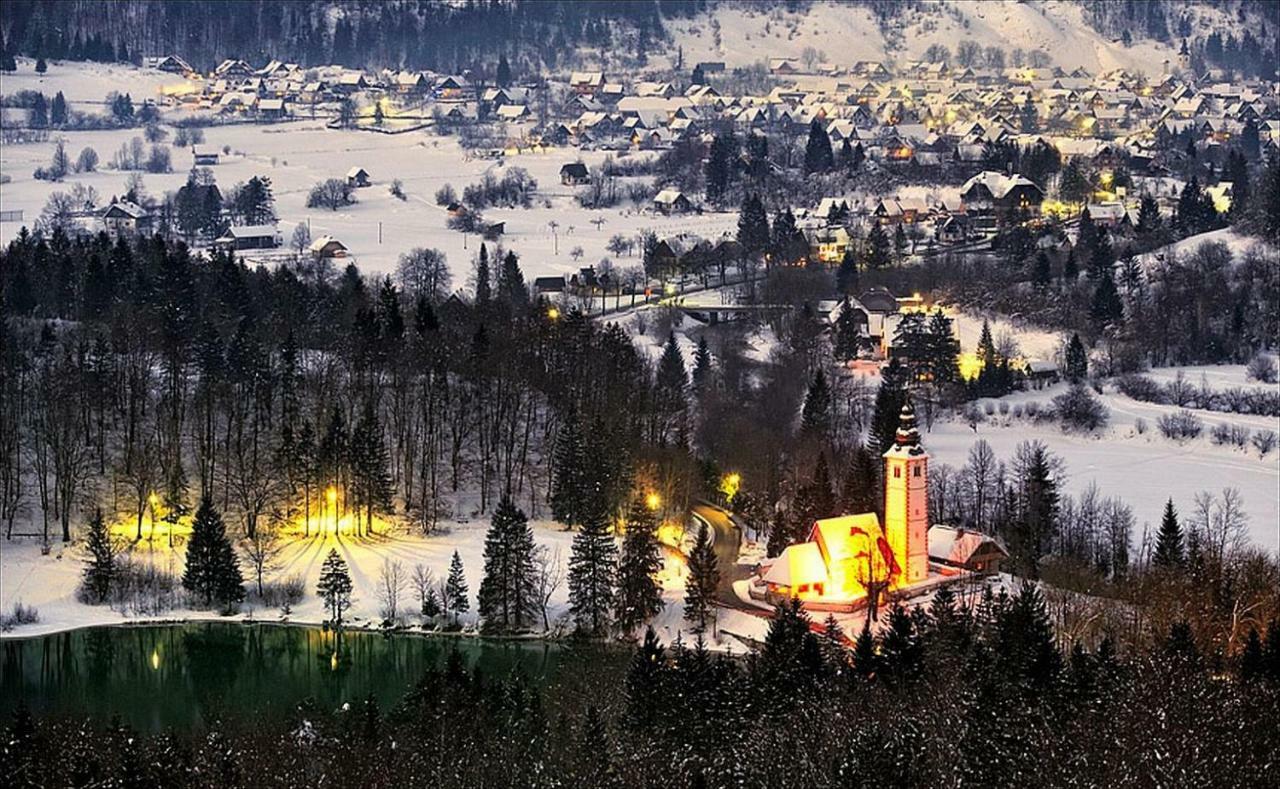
pixel 1038 515
pixel 1168 552
pixel 58 110
pixel 900 647
pixel 865 657
pixel 100 569
pixel 1106 308
pixel 646 690
pixel 591 571
pixel 1148 215
pixel 849 340
pixel 815 417
pixel 888 406
pixel 753 226
pixel 483 281
pixel 503 76
pixel 1073 186
pixel 41 66
pixel 639 593
pixel 718 170
pixel 1252 660
pixel 847 274
pixel 878 250
pixel 212 572
pixel 671 385
pixel 1070 270
pixel 1025 646
pixel 569 491
pixel 455 589
pixel 508 591
pixel 1077 361
pixel 783 237
pixel 702 364
pixel 704 578
pixel 899 244
pixel 334 586
pixel 1042 272
pixel 512 289
pixel 860 491
pixel 817 151
pixel 1102 260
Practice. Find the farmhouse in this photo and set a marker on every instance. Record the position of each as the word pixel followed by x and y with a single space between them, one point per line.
pixel 1001 195
pixel 125 218
pixel 204 157
pixel 574 174
pixel 250 237
pixel 671 201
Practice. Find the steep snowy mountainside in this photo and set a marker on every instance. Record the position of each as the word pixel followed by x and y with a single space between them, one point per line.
pixel 743 33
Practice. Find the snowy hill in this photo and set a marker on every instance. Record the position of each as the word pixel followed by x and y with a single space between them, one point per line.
pixel 741 34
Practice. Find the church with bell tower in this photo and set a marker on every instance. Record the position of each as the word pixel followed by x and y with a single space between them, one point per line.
pixel 846 557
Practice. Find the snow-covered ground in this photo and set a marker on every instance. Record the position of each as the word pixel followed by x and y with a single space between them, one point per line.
pixel 48 582
pixel 1142 469
pixel 298 154
pixel 749 33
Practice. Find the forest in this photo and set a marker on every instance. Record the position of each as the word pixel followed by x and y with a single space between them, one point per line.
pixel 989 681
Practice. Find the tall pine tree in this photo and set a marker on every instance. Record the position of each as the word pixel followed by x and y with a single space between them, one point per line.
pixel 591 571
pixel 1168 552
pixel 212 572
pixel 704 578
pixel 639 594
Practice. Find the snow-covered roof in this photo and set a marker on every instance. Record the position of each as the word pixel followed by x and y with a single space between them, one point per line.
pixel 668 196
pixel 957 546
pixel 797 564
pixel 323 241
pixel 251 231
pixel 997 183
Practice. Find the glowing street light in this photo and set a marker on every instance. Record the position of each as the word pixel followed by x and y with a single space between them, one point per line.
pixel 729 485
pixel 553 313
pixel 653 501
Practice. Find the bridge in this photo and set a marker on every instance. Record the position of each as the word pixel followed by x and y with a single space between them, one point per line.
pixel 712 314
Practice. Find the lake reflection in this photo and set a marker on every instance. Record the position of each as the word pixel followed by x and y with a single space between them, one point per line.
pixel 182 676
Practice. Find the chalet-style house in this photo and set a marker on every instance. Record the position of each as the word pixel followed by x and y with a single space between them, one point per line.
pixel 204 157
pixel 327 247
pixel 1000 196
pixel 671 201
pixel 123 218
pixel 574 174
pixel 358 178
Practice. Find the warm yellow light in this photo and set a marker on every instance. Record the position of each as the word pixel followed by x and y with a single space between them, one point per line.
pixel 970 366
pixel 155 660
pixel 154 500
pixel 670 288
pixel 331 495
pixel 333 662
pixel 653 501
pixel 1106 177
pixel 730 484
pixel 553 313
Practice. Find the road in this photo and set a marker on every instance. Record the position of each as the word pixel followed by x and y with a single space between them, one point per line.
pixel 726 539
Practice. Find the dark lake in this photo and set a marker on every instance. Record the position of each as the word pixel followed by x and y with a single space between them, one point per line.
pixel 181 676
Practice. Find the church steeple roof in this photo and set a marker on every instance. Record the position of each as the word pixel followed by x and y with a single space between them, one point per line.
pixel 908 436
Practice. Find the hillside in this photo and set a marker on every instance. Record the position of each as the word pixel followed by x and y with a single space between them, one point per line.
pixel 741 34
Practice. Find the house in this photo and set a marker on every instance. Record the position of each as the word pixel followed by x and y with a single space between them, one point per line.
pixel 271 109
pixel 849 559
pixel 1040 373
pixel 351 82
pixel 125 218
pixel 493 230
pixel 358 177
pixel 784 66
pixel 451 88
pixel 250 237
pixel 1000 195
pixel 233 69
pixel 671 201
pixel 327 247
pixel 586 81
pixel 828 244
pixel 967 550
pixel 574 174
pixel 549 287
pixel 512 112
pixel 170 64
pixel 204 157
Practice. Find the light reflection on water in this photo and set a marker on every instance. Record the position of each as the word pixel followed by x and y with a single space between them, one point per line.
pixel 182 676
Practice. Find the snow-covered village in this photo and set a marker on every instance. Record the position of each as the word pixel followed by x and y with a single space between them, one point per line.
pixel 709 393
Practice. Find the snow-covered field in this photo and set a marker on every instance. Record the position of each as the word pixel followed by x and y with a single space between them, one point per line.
pixel 749 33
pixel 1142 469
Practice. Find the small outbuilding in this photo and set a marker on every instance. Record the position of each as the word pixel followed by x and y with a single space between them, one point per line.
pixel 251 237
pixel 204 157
pixel 966 550
pixel 671 201
pixel 326 247
pixel 358 177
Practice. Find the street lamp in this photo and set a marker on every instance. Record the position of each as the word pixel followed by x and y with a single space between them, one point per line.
pixel 729 486
pixel 653 501
pixel 553 313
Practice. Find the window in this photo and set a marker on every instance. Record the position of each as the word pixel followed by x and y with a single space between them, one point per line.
pixel 916 472
pixel 897 472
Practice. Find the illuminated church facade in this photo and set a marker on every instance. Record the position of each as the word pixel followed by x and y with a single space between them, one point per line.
pixel 847 556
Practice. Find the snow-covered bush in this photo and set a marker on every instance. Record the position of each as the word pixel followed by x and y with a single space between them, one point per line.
pixel 158 161
pixel 1264 441
pixel 1262 368
pixel 1234 435
pixel 181 139
pixel 445 195
pixel 1080 409
pixel 1140 426
pixel 1141 388
pixel 1032 408
pixel 1017 411
pixel 87 161
pixel 141 588
pixel 1004 408
pixel 989 408
pixel 1180 426
pixel 20 615
pixel 397 190
pixel 278 594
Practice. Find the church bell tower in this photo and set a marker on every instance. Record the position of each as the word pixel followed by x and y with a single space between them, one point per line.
pixel 906 500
